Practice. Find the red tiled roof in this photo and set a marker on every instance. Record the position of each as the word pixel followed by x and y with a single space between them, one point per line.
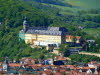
pixel 28 74
pixel 57 73
pixel 86 68
pixel 96 64
pixel 62 70
pixel 28 60
pixel 68 72
pixel 47 72
pixel 14 65
pixel 47 65
pixel 36 66
pixel 78 37
pixel 39 72
pixel 20 70
pixel 92 62
pixel 77 68
pixel 71 66
pixel 79 73
pixel 61 58
pixel 71 37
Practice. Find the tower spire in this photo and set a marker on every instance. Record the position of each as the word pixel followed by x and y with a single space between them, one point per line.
pixel 25 18
pixel 25 24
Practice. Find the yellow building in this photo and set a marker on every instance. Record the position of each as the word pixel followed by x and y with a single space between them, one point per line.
pixel 43 35
pixel 38 38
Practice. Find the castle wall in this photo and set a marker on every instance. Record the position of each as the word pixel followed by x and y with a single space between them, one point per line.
pixel 38 39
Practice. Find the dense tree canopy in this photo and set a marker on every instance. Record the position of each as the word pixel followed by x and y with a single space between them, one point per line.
pixel 84 58
pixel 12 13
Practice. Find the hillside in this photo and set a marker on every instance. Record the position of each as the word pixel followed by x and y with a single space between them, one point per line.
pixel 12 13
pixel 78 16
pixel 69 5
pixel 55 2
pixel 85 4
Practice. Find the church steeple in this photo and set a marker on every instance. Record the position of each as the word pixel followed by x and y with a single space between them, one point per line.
pixel 25 24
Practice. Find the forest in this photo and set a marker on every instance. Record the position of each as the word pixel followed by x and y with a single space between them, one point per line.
pixel 12 13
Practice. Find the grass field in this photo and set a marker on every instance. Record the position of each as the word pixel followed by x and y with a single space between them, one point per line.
pixel 65 10
pixel 92 31
pixel 79 5
pixel 84 3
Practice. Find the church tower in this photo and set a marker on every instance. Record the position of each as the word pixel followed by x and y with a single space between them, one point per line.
pixel 25 24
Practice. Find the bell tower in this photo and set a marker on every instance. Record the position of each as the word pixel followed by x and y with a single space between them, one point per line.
pixel 25 24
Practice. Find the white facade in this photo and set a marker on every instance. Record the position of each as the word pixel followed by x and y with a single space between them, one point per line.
pixel 44 43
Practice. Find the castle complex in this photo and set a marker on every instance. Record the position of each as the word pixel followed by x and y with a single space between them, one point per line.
pixel 43 36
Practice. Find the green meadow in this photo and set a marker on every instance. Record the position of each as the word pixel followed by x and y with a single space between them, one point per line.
pixel 91 4
pixel 77 5
pixel 92 31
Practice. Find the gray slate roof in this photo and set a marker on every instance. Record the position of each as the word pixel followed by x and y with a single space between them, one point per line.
pixel 46 30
